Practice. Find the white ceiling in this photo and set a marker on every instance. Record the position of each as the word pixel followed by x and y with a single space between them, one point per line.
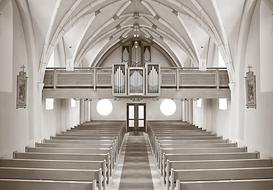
pixel 181 27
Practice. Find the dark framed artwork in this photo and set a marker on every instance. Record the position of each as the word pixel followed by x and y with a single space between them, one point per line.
pixel 250 81
pixel 21 99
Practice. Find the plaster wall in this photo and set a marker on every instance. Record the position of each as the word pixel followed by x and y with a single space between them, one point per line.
pixel 22 127
pixel 211 118
pixel 6 48
pixel 152 110
pixel 249 127
pixel 14 123
pixel 61 118
pixel 258 123
pixel 266 46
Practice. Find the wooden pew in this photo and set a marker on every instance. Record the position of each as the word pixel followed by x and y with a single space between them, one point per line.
pixel 196 151
pixel 207 156
pixel 109 151
pixel 68 150
pixel 214 164
pixel 58 164
pixel 177 144
pixel 189 137
pixel 81 137
pixel 19 184
pixel 199 145
pixel 199 150
pixel 73 145
pixel 80 141
pixel 220 174
pixel 65 156
pixel 52 174
pixel 251 184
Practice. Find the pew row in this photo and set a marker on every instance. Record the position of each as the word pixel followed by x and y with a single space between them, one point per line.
pixel 215 164
pixel 53 174
pixel 220 174
pixel 253 184
pixel 58 164
pixel 20 184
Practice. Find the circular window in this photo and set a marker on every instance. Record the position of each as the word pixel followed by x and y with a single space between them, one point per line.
pixel 104 107
pixel 168 107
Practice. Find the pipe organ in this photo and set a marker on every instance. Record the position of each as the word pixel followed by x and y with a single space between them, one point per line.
pixel 140 81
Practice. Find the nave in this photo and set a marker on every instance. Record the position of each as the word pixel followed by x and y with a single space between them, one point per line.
pixel 101 155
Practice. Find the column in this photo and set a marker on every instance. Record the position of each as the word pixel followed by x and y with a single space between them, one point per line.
pixel 190 111
pixel 186 110
pixel 82 112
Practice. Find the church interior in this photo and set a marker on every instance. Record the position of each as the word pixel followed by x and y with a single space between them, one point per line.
pixel 136 94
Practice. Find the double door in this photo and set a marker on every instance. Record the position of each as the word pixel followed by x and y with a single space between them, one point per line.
pixel 136 117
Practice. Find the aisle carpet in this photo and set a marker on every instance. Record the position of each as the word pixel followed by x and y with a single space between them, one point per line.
pixel 136 172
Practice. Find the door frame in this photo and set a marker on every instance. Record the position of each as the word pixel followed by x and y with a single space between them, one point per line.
pixel 136 119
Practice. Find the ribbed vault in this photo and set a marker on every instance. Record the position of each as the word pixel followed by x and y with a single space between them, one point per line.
pixel 171 24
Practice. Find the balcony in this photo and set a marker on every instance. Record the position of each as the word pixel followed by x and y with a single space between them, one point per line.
pixel 174 82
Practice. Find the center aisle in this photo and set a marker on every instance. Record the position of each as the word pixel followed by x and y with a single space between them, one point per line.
pixel 136 172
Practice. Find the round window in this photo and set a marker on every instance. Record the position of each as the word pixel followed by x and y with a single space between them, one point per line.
pixel 168 107
pixel 104 107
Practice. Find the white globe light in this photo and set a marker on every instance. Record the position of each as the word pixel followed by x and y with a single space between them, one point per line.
pixel 104 107
pixel 168 107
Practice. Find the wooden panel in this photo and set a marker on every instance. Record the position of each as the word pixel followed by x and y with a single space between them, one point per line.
pixel 192 82
pixel 49 78
pixel 168 77
pixel 74 78
pixel 104 78
pixel 223 78
pixel 197 79
pixel 208 93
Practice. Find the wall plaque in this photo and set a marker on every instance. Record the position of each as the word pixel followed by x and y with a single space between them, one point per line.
pixel 21 99
pixel 250 82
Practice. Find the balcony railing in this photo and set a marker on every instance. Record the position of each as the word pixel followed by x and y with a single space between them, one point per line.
pixel 171 77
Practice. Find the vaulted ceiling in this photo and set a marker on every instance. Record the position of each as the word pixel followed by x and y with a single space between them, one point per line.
pixel 183 28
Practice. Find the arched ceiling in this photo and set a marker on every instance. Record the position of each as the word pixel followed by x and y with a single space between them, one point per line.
pixel 181 27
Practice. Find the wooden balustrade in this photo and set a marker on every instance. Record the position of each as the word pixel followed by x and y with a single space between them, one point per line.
pixel 178 78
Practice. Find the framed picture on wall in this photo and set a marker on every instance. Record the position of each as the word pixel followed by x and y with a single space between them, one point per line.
pixel 21 98
pixel 250 81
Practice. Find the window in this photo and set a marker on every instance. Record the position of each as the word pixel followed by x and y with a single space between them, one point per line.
pixel 199 103
pixel 168 107
pixel 223 104
pixel 104 107
pixel 72 103
pixel 49 104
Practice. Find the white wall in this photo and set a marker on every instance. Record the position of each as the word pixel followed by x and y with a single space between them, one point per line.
pixel 61 118
pixel 211 118
pixel 258 123
pixel 152 110
pixel 14 123
pixel 249 127
pixel 6 48
pixel 23 127
pixel 266 46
